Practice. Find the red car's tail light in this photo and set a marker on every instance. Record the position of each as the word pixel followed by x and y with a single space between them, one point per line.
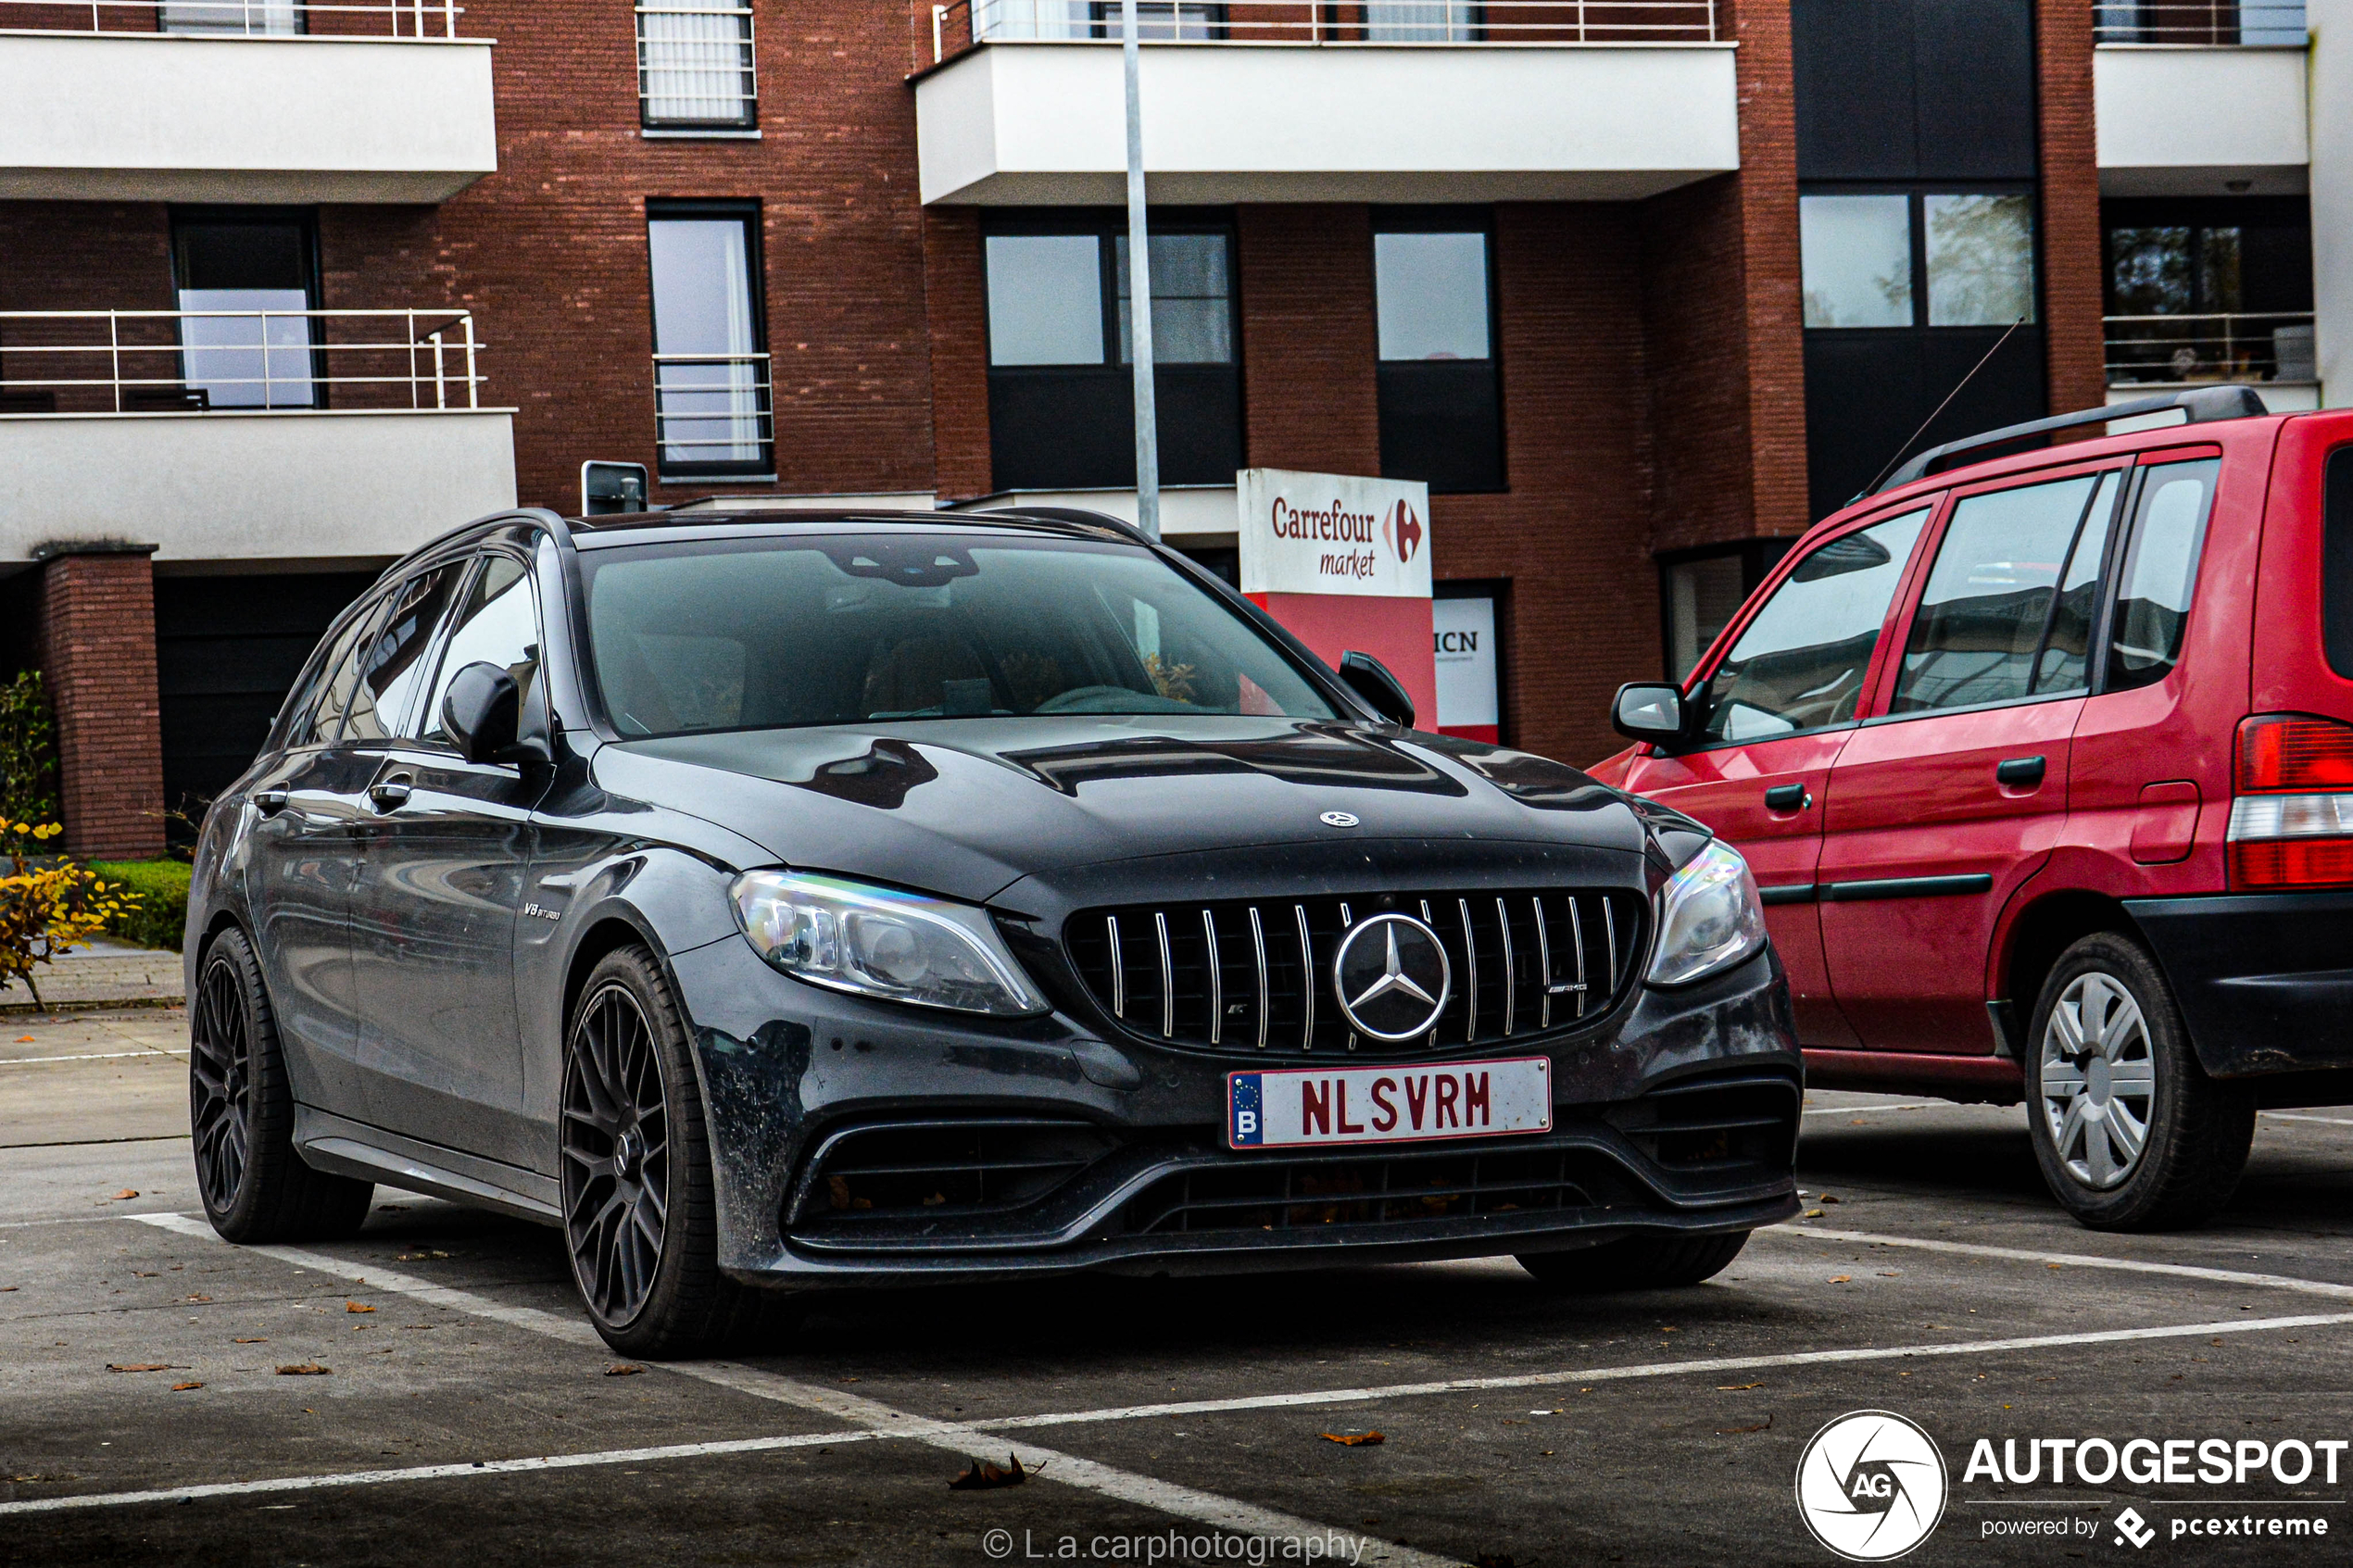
pixel 2292 822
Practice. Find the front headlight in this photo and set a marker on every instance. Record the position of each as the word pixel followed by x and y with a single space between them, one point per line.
pixel 1709 917
pixel 879 942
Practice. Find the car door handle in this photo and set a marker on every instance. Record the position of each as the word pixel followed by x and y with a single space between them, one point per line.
pixel 268 802
pixel 1788 797
pixel 2023 772
pixel 390 794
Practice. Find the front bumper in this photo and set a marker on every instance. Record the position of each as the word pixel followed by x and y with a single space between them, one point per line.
pixel 2263 979
pixel 1676 1113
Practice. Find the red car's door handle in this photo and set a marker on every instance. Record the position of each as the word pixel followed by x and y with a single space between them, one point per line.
pixel 2023 772
pixel 1787 798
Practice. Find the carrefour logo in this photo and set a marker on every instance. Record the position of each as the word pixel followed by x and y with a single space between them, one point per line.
pixel 1871 1486
pixel 1402 532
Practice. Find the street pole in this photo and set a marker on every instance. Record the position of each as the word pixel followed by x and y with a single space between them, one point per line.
pixel 1140 293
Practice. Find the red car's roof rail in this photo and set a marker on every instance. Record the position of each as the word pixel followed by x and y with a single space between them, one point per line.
pixel 2198 404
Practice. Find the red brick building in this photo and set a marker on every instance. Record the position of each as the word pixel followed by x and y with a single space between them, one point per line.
pixel 332 278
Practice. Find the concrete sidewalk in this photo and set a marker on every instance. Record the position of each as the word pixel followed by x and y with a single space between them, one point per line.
pixel 102 973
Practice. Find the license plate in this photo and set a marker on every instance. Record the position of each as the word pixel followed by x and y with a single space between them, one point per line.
pixel 1350 1105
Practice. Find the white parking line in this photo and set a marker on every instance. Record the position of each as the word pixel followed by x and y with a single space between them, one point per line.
pixel 873 1418
pixel 2331 1121
pixel 91 1056
pixel 432 1471
pixel 1865 1110
pixel 2073 1261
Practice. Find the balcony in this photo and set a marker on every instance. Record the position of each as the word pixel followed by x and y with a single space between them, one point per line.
pixel 249 436
pixel 241 101
pixel 2198 99
pixel 2271 351
pixel 1289 101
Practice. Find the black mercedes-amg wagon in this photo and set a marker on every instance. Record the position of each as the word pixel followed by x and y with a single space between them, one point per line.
pixel 791 900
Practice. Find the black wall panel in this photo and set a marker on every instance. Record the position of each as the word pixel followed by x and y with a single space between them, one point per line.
pixel 1867 392
pixel 1915 89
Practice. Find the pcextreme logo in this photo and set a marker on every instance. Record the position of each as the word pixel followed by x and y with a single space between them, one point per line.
pixel 1871 1486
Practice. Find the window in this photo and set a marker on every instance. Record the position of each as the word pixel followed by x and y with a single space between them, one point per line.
pixel 2159 571
pixel 249 277
pixel 1469 649
pixel 392 662
pixel 2006 613
pixel 711 415
pixel 1701 598
pixel 1857 261
pixel 1973 264
pixel 1155 19
pixel 272 17
pixel 1061 392
pixel 1799 665
pixel 1441 398
pixel 2208 289
pixel 498 624
pixel 2337 562
pixel 695 66
pixel 857 628
pixel 1420 21
pixel 319 714
pixel 1981 259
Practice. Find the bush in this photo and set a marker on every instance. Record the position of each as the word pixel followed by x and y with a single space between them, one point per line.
pixel 159 918
pixel 48 909
pixel 28 752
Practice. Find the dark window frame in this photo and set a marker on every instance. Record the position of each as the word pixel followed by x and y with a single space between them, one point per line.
pixel 1451 220
pixel 751 214
pixel 747 119
pixel 1915 193
pixel 1497 591
pixel 1758 558
pixel 223 215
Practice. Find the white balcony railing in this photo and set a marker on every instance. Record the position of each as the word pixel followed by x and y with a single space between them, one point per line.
pixel 239 18
pixel 965 23
pixel 712 409
pixel 192 362
pixel 2255 348
pixel 2199 21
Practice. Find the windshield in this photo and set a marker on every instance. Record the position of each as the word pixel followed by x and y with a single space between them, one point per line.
pixel 846 629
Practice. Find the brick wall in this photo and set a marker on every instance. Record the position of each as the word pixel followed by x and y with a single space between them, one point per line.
pixel 957 298
pixel 1309 399
pixel 2071 244
pixel 98 658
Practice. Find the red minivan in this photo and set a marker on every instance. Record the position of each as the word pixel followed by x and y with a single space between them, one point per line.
pixel 2044 767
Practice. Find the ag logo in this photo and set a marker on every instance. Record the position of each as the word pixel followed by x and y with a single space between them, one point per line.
pixel 1871 1486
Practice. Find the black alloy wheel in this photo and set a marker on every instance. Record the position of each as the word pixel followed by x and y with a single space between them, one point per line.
pixel 641 1222
pixel 254 1184
pixel 616 1155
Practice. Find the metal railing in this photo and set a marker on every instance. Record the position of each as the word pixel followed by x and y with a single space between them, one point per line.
pixel 2199 21
pixel 695 66
pixel 712 409
pixel 238 18
pixel 188 361
pixel 963 24
pixel 2274 346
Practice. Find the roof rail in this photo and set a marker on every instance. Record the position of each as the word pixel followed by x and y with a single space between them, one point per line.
pixel 2198 405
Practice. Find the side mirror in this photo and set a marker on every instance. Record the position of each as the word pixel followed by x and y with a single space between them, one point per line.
pixel 481 713
pixel 1370 679
pixel 1650 710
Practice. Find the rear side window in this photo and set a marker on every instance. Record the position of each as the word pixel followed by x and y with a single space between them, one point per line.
pixel 2007 610
pixel 316 723
pixel 2337 562
pixel 1799 665
pixel 2159 571
pixel 392 662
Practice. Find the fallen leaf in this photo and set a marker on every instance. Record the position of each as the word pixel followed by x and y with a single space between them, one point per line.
pixel 623 1368
pixel 306 1368
pixel 183 1388
pixel 5 1288
pixel 1737 1387
pixel 419 1257
pixel 2050 1265
pixel 126 1192
pixel 355 1307
pixel 1811 1214
pixel 196 1299
pixel 1842 1279
pixel 249 1342
pixel 143 1366
pixel 984 1477
pixel 1546 1454
pixel 24 1039
pixel 1764 1425
pixel 1353 1439
pixel 1827 1197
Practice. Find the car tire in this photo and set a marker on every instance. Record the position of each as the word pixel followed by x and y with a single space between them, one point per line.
pixel 2130 1131
pixel 1636 1262
pixel 640 1216
pixel 253 1182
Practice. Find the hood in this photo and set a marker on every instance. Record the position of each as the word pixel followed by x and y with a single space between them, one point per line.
pixel 965 807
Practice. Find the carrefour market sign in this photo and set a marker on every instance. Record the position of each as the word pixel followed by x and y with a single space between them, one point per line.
pixel 1333 533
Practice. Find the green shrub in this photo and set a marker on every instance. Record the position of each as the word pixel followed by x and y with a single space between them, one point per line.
pixel 159 916
pixel 28 752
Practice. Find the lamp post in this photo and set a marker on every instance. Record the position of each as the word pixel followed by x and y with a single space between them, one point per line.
pixel 1140 292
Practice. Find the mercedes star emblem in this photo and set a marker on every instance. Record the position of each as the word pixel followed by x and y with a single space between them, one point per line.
pixel 1393 977
pixel 1339 819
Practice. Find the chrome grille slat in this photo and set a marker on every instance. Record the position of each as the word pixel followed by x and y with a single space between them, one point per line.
pixel 1290 987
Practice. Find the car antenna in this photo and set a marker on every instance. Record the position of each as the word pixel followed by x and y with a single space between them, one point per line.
pixel 1940 409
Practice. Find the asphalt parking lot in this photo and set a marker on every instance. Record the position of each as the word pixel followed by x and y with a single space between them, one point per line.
pixel 464 1413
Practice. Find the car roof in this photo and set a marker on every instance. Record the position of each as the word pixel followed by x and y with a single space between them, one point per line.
pixel 1066 521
